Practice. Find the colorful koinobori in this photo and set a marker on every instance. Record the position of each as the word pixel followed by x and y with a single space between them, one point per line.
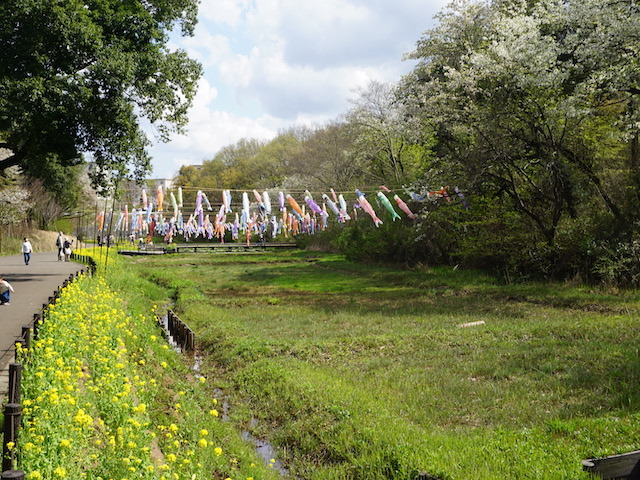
pixel 257 218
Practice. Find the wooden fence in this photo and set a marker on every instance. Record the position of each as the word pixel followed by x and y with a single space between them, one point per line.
pixel 233 247
pixel 623 466
pixel 182 335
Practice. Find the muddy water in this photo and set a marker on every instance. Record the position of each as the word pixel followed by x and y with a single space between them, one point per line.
pixel 268 453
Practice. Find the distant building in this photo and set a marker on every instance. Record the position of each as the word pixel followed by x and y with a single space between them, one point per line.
pixel 165 183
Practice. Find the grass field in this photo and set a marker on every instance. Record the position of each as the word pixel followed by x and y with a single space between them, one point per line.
pixel 357 371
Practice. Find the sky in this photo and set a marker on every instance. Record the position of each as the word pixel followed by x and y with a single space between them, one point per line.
pixel 272 64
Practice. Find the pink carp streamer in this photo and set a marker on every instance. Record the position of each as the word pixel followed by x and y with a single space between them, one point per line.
pixel 254 214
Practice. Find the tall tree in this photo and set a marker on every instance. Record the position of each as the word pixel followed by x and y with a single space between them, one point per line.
pixel 77 75
pixel 394 149
pixel 326 159
pixel 521 111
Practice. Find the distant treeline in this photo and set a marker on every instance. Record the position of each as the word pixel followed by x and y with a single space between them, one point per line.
pixel 530 108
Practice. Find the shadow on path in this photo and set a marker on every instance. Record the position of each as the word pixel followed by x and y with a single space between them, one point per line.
pixel 33 285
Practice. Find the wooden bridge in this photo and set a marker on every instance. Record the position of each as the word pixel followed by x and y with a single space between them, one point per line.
pixel 207 248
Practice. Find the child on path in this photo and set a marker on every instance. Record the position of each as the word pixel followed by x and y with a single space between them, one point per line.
pixel 67 249
pixel 26 250
pixel 5 292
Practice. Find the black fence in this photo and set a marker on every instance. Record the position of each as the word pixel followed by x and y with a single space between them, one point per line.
pixel 13 407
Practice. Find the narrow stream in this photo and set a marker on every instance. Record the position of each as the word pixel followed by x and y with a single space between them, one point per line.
pixel 265 450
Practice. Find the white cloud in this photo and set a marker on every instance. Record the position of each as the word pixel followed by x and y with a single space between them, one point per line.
pixel 226 12
pixel 272 63
pixel 207 48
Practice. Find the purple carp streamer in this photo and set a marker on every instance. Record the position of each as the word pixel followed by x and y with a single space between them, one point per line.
pixel 254 216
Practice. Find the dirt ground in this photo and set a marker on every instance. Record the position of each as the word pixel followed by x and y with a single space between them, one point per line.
pixel 45 241
pixel 41 240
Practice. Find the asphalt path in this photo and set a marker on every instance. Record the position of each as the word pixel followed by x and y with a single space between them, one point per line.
pixel 33 285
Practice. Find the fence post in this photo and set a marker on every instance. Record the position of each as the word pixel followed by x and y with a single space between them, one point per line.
pixel 17 345
pixel 26 335
pixel 192 340
pixel 12 414
pixel 15 374
pixel 37 321
pixel 170 324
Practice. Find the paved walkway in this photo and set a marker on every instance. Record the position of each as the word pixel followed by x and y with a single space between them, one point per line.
pixel 33 285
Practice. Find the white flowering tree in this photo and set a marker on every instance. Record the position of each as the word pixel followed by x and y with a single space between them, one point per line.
pixel 14 205
pixel 388 140
pixel 534 102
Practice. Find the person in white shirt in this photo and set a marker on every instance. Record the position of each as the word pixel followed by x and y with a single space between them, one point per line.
pixel 5 292
pixel 26 250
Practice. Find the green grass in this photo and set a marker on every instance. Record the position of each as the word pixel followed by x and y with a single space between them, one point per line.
pixel 100 352
pixel 358 371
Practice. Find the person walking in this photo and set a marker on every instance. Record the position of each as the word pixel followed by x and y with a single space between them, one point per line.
pixel 67 249
pixel 60 245
pixel 5 292
pixel 26 250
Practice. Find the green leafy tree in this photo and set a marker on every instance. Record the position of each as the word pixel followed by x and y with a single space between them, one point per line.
pixel 77 76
